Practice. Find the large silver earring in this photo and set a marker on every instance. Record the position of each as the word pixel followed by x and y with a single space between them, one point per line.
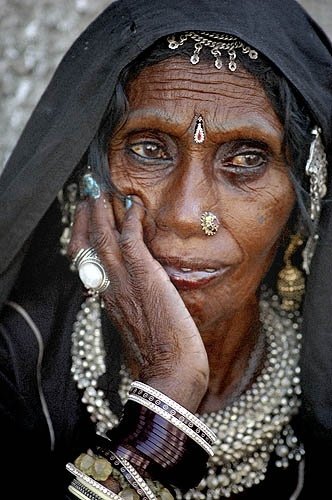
pixel 316 169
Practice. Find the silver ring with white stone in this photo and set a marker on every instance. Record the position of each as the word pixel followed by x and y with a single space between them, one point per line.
pixel 90 270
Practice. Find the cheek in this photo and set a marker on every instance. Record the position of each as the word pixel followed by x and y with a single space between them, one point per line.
pixel 128 179
pixel 125 181
pixel 255 227
pixel 118 171
pixel 258 219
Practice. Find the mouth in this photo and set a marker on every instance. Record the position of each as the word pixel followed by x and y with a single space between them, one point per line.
pixel 189 274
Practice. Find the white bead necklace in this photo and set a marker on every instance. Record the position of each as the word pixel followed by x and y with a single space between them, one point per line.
pixel 251 428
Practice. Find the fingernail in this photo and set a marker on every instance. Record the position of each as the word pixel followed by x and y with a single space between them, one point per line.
pixel 128 202
pixel 90 186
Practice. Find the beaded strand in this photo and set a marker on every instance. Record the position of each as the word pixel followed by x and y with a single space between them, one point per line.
pixel 249 430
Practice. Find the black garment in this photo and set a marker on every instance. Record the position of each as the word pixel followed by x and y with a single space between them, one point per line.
pixel 33 274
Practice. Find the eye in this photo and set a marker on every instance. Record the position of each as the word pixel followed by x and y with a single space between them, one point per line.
pixel 244 162
pixel 247 160
pixel 149 150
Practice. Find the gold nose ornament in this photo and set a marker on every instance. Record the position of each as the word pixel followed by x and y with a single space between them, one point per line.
pixel 209 223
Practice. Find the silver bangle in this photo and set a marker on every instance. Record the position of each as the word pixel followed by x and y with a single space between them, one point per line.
pixel 173 420
pixel 175 406
pixel 95 487
pixel 83 492
pixel 140 483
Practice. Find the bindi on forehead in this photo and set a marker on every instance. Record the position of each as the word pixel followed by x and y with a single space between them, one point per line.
pixel 175 90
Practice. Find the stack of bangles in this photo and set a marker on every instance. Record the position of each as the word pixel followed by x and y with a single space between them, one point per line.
pixel 158 442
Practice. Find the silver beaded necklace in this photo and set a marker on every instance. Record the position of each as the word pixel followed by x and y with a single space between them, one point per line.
pixel 249 430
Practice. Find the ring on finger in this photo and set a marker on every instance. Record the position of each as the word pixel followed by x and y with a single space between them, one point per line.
pixel 90 270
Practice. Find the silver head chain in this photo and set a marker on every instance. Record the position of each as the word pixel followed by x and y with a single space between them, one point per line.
pixel 218 43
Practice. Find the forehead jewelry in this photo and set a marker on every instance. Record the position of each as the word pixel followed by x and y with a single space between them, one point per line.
pixel 218 43
pixel 209 223
pixel 199 133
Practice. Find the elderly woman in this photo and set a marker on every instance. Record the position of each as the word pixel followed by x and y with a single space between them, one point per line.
pixel 153 326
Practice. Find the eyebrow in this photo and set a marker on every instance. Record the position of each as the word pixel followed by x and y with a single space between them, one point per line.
pixel 149 119
pixel 152 114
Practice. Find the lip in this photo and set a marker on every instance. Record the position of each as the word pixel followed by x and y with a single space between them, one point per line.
pixel 191 274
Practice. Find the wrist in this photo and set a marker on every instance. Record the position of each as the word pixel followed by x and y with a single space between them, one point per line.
pixel 186 389
pixel 161 439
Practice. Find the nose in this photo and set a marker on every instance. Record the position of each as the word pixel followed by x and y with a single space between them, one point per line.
pixel 192 192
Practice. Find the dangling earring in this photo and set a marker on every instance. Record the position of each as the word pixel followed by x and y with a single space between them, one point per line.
pixel 316 169
pixel 291 283
pixel 67 197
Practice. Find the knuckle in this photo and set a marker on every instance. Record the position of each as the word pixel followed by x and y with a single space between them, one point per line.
pixel 163 369
pixel 128 245
pixel 99 240
pixel 137 275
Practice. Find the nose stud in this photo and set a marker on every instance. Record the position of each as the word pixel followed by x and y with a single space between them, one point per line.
pixel 209 223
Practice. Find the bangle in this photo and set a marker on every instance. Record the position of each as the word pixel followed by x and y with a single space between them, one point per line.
pixel 84 491
pixel 195 434
pixel 128 471
pixel 173 408
pixel 90 483
pixel 157 439
pixel 163 429
pixel 137 433
pixel 85 485
pixel 136 440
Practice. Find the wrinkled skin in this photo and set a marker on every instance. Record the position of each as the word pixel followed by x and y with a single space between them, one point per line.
pixel 193 341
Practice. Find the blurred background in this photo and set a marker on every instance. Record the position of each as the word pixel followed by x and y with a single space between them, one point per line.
pixel 35 34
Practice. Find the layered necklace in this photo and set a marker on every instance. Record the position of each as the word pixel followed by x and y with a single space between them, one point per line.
pixel 255 426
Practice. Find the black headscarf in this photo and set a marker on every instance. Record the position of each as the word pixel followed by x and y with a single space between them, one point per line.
pixel 69 113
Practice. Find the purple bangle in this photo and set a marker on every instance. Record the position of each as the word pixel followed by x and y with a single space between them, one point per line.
pixel 157 448
pixel 165 449
pixel 162 432
pixel 135 391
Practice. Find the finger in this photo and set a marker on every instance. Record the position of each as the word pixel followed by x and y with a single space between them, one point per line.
pixel 131 238
pixel 103 234
pixel 80 233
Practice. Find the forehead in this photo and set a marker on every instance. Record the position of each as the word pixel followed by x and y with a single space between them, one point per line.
pixel 180 89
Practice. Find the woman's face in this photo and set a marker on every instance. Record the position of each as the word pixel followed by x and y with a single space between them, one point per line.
pixel 238 173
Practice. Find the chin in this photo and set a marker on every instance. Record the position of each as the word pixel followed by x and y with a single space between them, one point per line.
pixel 212 305
pixel 206 312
